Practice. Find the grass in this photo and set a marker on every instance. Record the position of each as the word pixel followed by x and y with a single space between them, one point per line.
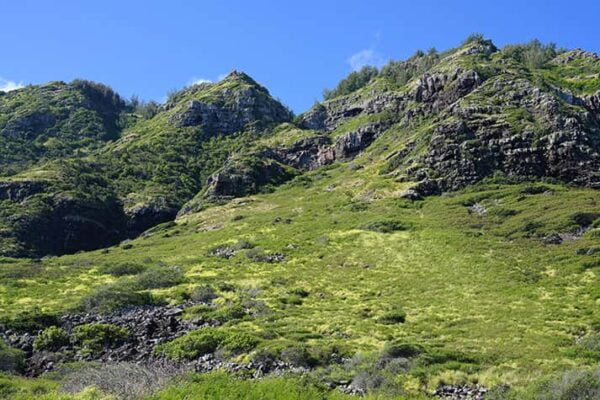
pixel 464 284
pixel 484 286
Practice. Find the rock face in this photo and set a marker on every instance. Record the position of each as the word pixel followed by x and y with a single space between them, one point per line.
pixel 277 165
pixel 19 190
pixel 232 109
pixel 65 225
pixel 142 217
pixel 468 147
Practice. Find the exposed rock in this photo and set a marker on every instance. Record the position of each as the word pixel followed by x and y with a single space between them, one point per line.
pixel 232 109
pixel 568 56
pixel 458 392
pixel 466 148
pixel 141 217
pixel 148 326
pixel 28 125
pixel 19 190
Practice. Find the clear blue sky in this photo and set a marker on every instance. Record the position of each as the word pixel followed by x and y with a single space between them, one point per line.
pixel 294 48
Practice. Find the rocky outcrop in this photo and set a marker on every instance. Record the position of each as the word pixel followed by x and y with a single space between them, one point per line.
pixel 19 190
pixel 433 92
pixel 329 115
pixel 147 326
pixel 62 224
pixel 466 147
pixel 231 109
pixel 143 216
pixel 439 90
pixel 277 165
pixel 575 54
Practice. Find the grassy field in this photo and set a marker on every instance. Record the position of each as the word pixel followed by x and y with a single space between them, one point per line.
pixel 481 292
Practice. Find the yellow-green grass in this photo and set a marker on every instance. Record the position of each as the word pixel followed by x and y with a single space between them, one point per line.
pixel 481 285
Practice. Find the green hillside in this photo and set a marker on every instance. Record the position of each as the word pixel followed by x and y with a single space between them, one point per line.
pixel 430 226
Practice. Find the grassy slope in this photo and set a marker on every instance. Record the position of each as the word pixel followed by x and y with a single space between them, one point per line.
pixel 484 286
pixel 514 305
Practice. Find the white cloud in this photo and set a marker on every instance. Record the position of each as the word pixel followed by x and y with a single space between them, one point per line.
pixel 7 86
pixel 365 57
pixel 198 81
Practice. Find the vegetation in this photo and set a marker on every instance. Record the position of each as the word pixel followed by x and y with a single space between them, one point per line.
pixel 333 271
pixel 356 80
pixel 51 339
pixel 92 338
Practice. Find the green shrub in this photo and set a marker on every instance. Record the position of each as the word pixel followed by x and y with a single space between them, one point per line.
pixel 397 350
pixel 221 386
pixel 388 226
pixel 93 338
pixel 572 385
pixel 394 316
pixel 584 219
pixel 298 356
pixel 356 80
pixel 30 321
pixel 533 54
pixel 589 346
pixel 121 269
pixel 11 360
pixel 204 341
pixel 228 313
pixel 204 294
pixel 157 278
pixel 110 297
pixel 51 339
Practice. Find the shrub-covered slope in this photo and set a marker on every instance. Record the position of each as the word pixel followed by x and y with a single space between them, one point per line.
pixel 432 223
pixel 56 120
pixel 139 180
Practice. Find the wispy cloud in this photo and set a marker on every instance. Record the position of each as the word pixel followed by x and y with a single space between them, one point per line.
pixel 198 81
pixel 365 57
pixel 7 86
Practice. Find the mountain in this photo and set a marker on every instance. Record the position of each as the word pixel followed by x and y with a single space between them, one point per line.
pixel 47 122
pixel 429 229
pixel 142 177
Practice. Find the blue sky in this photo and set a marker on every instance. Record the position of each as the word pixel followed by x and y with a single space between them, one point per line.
pixel 294 48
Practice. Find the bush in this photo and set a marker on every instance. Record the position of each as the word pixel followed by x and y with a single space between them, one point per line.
pixel 121 269
pixel 353 82
pixel 157 278
pixel 533 54
pixel 93 338
pixel 572 385
pixel 204 341
pixel 51 339
pixel 404 350
pixel 589 346
pixel 203 294
pixel 388 226
pixel 394 316
pixel 110 297
pixel 30 321
pixel 584 219
pixel 399 73
pixel 11 360
pixel 122 380
pixel 298 356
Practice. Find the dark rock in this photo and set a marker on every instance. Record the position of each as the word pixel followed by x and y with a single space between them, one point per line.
pixel 232 110
pixel 19 190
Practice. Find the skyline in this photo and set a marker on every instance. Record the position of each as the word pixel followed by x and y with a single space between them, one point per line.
pixel 148 49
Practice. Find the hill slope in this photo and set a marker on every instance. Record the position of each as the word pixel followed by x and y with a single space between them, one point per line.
pixel 433 223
